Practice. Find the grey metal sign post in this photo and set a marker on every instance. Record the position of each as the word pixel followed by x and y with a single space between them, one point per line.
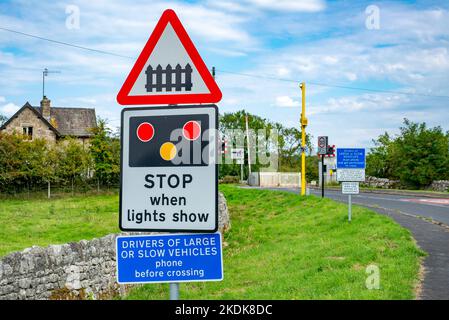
pixel 174 291
pixel 350 188
pixel 349 207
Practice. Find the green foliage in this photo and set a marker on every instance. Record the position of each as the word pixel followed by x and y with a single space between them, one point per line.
pixel 312 168
pixel 35 164
pixel 105 152
pixel 23 162
pixel 417 156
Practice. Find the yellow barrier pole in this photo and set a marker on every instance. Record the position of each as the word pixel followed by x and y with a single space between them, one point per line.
pixel 303 139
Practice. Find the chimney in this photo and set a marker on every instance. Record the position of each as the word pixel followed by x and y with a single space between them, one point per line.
pixel 45 108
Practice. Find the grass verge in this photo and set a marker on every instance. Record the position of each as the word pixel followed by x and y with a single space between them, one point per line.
pixel 41 222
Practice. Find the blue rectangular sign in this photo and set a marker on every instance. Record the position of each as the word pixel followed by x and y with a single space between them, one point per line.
pixel 350 158
pixel 169 258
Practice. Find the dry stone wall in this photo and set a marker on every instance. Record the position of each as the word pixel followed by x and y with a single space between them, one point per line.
pixel 440 185
pixel 382 183
pixel 78 270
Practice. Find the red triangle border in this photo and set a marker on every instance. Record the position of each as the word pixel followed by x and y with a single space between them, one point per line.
pixel 214 95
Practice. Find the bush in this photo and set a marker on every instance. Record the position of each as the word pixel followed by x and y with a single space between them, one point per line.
pixel 37 164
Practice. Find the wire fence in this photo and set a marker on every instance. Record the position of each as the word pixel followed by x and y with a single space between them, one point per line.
pixel 59 191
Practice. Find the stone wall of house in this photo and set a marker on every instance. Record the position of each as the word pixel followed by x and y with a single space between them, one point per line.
pixel 77 270
pixel 28 118
pixel 440 185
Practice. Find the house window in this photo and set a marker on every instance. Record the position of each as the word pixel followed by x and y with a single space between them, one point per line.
pixel 28 132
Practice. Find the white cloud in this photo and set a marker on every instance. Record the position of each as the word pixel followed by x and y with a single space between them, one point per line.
pixel 9 109
pixel 2 99
pixel 351 76
pixel 286 101
pixel 372 102
pixel 228 53
pixel 282 71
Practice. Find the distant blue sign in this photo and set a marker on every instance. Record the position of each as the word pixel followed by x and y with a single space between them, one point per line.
pixel 169 258
pixel 350 158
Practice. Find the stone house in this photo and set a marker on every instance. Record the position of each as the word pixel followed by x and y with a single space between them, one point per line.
pixel 52 124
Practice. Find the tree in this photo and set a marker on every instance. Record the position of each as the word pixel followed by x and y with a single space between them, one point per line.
pixel 10 161
pixel 105 152
pixel 423 154
pixel 49 168
pixel 74 160
pixel 288 144
pixel 235 124
pixel 380 162
pixel 417 156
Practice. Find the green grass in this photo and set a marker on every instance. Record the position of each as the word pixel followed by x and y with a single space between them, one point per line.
pixel 41 222
pixel 443 193
pixel 282 246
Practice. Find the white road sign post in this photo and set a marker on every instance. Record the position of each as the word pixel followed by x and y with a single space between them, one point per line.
pixel 350 170
pixel 350 187
pixel 169 180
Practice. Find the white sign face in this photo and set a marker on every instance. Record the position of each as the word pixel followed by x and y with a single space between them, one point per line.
pixel 351 175
pixel 350 187
pixel 169 70
pixel 169 171
pixel 237 154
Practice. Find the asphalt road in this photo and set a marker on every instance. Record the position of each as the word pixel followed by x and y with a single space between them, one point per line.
pixel 413 213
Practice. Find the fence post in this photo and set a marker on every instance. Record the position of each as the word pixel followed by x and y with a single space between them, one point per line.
pixel 159 78
pixel 168 82
pixel 178 81
pixel 149 72
pixel 188 73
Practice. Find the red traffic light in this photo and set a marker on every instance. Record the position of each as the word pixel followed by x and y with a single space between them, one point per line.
pixel 145 131
pixel 191 130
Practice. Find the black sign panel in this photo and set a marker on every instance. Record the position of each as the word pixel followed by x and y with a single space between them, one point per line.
pixel 180 134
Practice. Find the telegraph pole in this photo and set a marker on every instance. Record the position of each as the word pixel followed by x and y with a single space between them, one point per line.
pixel 248 146
pixel 303 139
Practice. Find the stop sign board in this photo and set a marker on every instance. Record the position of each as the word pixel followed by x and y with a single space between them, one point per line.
pixel 169 170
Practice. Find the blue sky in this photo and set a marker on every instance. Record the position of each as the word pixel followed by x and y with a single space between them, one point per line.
pixel 316 41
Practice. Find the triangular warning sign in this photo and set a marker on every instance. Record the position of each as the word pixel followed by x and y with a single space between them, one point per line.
pixel 169 70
